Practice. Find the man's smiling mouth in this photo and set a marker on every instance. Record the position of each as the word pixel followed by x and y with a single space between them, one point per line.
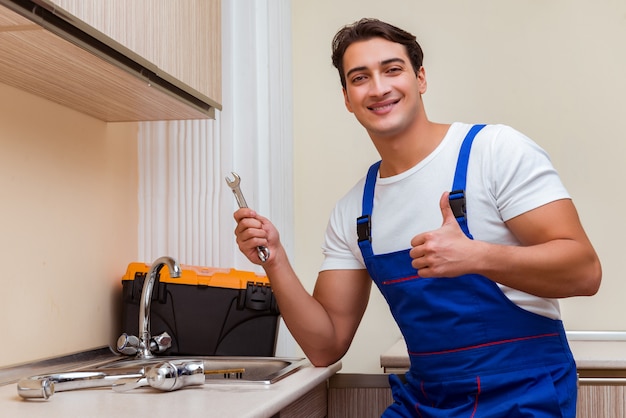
pixel 383 106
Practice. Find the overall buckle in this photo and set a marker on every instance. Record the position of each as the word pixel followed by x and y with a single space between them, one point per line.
pixel 364 228
pixel 457 203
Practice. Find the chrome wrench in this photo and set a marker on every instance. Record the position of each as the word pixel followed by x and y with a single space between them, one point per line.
pixel 262 251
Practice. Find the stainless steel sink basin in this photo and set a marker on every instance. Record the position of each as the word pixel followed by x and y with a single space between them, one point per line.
pixel 163 373
pixel 265 370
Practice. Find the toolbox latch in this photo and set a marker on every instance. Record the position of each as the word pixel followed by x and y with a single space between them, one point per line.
pixel 258 297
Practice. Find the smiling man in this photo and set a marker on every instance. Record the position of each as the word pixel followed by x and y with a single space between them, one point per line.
pixel 467 231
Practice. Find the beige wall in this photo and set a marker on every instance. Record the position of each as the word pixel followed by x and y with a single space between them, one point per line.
pixel 552 69
pixel 68 222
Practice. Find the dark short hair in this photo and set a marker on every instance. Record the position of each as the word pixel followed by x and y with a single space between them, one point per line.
pixel 368 28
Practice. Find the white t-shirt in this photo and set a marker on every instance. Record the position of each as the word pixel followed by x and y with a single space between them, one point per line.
pixel 508 174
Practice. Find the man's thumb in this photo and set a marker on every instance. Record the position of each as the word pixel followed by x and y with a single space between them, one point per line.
pixel 446 210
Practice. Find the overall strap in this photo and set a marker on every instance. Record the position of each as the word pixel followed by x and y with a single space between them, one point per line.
pixel 457 195
pixel 364 223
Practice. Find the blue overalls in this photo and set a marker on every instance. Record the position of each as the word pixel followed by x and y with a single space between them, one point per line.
pixel 473 352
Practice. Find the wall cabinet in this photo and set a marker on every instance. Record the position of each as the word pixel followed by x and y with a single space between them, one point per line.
pixel 116 60
pixel 181 37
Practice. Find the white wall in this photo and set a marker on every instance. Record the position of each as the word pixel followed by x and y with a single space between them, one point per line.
pixel 553 69
pixel 68 222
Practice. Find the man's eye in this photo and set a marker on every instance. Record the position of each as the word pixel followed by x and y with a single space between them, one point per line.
pixel 394 70
pixel 358 78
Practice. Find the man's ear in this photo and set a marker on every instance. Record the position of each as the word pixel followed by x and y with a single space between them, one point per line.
pixel 346 100
pixel 421 79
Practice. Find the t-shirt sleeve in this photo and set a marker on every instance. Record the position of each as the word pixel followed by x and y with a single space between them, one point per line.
pixel 524 177
pixel 340 248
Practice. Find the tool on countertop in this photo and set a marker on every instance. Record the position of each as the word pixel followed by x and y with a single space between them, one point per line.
pixel 173 375
pixel 262 251
pixel 166 376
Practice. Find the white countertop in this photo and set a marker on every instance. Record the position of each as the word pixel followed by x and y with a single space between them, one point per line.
pixel 209 400
pixel 596 353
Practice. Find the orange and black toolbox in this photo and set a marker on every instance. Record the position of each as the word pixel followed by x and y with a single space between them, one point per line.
pixel 207 311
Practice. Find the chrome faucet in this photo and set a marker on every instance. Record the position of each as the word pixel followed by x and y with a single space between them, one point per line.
pixel 146 299
pixel 128 344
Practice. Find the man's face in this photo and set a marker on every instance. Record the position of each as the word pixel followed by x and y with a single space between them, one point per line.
pixel 382 89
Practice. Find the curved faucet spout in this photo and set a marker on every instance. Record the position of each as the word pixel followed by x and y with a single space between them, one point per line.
pixel 146 299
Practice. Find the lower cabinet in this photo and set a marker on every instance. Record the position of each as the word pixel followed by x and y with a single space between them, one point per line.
pixel 367 396
pixel 358 395
pixel 601 400
pixel 312 405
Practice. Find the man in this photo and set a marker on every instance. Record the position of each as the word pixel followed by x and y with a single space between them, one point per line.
pixel 466 230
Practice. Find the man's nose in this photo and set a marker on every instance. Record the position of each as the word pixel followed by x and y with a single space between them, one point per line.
pixel 379 86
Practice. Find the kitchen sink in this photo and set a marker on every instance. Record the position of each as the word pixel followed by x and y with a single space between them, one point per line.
pixel 163 373
pixel 264 370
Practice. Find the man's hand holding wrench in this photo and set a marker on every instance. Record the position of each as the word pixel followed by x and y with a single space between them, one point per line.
pixel 262 251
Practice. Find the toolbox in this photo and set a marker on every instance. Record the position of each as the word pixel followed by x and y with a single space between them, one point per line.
pixel 207 311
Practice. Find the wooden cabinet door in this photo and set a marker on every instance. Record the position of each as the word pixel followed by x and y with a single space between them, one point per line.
pixel 601 401
pixel 182 37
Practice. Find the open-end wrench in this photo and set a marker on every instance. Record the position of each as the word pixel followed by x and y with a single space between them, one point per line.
pixel 262 251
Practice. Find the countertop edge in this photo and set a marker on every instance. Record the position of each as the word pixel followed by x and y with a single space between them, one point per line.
pixel 294 387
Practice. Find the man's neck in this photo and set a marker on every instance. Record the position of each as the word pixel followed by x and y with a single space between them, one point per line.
pixel 403 152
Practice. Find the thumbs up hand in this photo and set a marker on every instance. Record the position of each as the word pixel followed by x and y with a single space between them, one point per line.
pixel 443 252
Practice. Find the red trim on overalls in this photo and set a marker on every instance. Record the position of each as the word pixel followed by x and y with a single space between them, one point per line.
pixel 491 343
